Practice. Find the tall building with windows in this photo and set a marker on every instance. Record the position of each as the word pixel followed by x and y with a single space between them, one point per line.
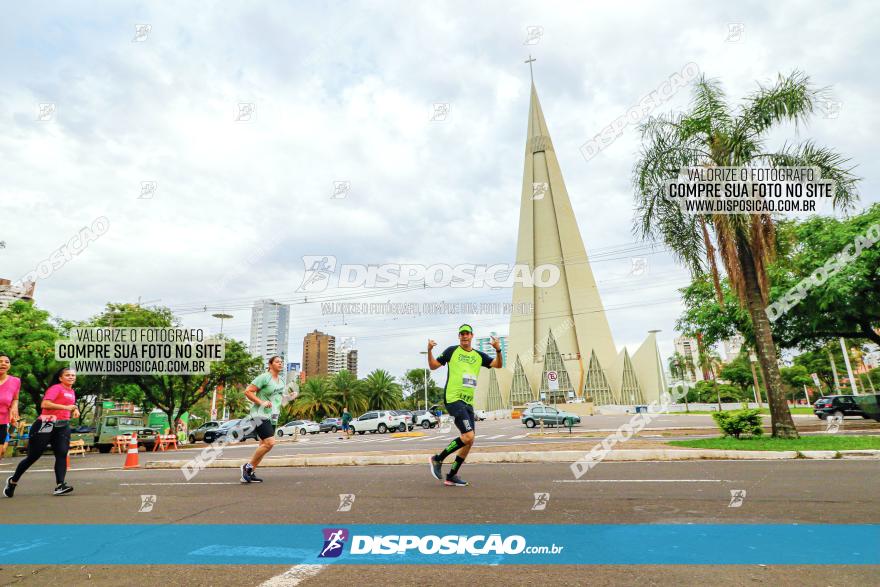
pixel 484 344
pixel 351 362
pixel 319 354
pixel 270 324
pixel 687 348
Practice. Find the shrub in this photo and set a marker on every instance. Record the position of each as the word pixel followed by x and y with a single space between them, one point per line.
pixel 739 422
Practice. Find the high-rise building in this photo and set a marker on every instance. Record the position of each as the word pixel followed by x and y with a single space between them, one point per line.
pixel 484 344
pixel 319 354
pixel 345 356
pixel 689 349
pixel 270 324
pixel 10 293
pixel 563 349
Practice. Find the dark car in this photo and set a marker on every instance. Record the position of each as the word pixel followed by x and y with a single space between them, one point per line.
pixel 331 424
pixel 838 406
pixel 870 405
pixel 232 426
pixel 199 433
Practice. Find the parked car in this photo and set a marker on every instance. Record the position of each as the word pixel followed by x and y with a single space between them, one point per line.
pixel 408 417
pixel 424 419
pixel 231 429
pixel 479 415
pixel 380 421
pixel 301 427
pixel 111 426
pixel 870 405
pixel 199 433
pixel 550 416
pixel 331 424
pixel 838 406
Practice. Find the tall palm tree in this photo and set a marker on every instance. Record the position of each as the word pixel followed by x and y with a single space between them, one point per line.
pixel 709 135
pixel 382 391
pixel 316 400
pixel 349 391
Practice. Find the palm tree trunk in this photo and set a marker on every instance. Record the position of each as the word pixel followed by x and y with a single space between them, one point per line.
pixel 780 416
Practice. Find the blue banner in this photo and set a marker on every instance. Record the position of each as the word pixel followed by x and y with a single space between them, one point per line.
pixel 498 544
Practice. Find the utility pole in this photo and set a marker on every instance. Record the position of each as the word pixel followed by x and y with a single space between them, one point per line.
pixel 852 379
pixel 834 371
pixel 753 358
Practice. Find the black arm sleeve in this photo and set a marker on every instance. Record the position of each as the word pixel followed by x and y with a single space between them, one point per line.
pixel 487 360
pixel 446 356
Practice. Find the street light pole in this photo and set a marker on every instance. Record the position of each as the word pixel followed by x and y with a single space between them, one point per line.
pixel 222 317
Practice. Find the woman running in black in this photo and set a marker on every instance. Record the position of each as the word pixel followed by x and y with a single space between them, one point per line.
pixel 52 427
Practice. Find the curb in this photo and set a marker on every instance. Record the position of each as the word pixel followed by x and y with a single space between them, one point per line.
pixel 560 456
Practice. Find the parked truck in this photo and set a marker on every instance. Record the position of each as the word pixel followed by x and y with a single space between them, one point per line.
pixel 113 425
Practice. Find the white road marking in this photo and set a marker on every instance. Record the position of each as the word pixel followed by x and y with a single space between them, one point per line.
pixel 520 436
pixel 496 436
pixel 293 576
pixel 188 483
pixel 642 481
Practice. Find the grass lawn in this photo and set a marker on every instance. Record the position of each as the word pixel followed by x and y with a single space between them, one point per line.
pixel 807 411
pixel 816 442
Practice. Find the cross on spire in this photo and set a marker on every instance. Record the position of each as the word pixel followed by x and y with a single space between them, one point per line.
pixel 529 61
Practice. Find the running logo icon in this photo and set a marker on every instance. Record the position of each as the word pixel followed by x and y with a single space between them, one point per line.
pixel 737 497
pixel 318 269
pixel 346 500
pixel 541 501
pixel 334 542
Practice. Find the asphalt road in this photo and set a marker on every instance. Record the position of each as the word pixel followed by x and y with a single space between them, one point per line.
pixel 613 493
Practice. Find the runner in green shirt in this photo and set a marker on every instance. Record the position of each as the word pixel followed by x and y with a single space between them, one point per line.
pixel 464 365
pixel 346 419
pixel 266 393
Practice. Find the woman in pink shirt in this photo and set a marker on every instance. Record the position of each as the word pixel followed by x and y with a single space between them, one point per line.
pixel 9 388
pixel 52 427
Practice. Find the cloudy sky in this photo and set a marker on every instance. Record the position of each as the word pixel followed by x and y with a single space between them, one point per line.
pixel 347 94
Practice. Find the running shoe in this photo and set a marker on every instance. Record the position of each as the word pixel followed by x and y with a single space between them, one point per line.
pixel 253 477
pixel 436 468
pixel 9 490
pixel 455 481
pixel 246 471
pixel 62 489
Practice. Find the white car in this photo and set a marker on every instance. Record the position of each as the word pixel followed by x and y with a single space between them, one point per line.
pixel 298 427
pixel 380 421
pixel 479 415
pixel 425 419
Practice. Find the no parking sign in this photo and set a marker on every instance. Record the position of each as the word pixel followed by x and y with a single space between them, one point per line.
pixel 553 380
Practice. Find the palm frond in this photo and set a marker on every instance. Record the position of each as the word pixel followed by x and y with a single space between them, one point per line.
pixel 791 99
pixel 831 164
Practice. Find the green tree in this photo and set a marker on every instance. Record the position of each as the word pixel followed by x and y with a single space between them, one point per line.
pixel 847 305
pixel 28 338
pixel 349 392
pixel 738 372
pixel 710 135
pixel 414 389
pixel 795 378
pixel 382 391
pixel 317 399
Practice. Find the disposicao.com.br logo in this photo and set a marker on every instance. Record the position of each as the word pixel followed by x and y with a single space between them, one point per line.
pixel 394 544
pixel 321 270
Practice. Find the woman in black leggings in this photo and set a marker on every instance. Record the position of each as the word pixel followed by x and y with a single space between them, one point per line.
pixel 52 427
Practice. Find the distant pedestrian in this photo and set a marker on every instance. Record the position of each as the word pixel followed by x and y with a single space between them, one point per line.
pixel 9 388
pixel 346 427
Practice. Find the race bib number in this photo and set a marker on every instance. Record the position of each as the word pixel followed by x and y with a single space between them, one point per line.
pixel 46 426
pixel 468 380
pixel 274 418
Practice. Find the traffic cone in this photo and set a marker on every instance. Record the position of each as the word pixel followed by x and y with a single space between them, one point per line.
pixel 131 459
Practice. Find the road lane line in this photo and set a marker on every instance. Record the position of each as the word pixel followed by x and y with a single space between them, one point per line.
pixel 293 576
pixel 643 481
pixel 520 436
pixel 187 483
pixel 494 437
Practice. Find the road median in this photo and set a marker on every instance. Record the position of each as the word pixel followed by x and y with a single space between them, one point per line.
pixel 557 456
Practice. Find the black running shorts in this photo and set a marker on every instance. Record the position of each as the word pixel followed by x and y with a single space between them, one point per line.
pixel 264 429
pixel 463 415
